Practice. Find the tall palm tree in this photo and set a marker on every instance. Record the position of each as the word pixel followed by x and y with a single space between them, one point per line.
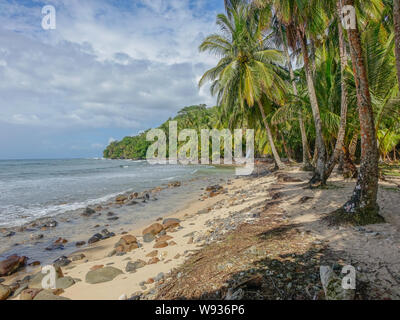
pixel 301 17
pixel 344 98
pixel 248 71
pixel 364 198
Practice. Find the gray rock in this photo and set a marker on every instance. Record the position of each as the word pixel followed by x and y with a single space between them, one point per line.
pixel 159 277
pixel 62 261
pixel 64 283
pixel 96 238
pixel 77 257
pixel 148 237
pixel 133 266
pixel 88 212
pixel 102 275
pixel 48 295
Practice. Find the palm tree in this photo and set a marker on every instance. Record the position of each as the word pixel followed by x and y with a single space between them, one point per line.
pixel 344 99
pixel 396 20
pixel 364 198
pixel 301 17
pixel 248 71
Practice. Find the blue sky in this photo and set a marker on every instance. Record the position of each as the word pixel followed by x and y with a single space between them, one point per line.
pixel 109 69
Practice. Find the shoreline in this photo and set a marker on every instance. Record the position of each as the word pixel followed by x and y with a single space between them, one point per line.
pixel 217 239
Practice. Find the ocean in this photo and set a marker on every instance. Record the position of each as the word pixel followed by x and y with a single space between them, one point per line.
pixel 62 189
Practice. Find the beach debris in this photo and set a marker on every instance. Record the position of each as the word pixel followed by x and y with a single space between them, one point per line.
pixel 305 199
pixel 102 275
pixel 332 285
pixel 5 292
pixel 12 264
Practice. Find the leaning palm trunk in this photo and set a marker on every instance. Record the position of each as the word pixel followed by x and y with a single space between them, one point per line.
pixel 319 173
pixel 306 160
pixel 277 159
pixel 396 18
pixel 364 199
pixel 343 111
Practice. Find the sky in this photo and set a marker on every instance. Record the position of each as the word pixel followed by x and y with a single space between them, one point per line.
pixel 109 69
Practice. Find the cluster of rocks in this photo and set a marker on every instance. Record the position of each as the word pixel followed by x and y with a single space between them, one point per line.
pixel 103 235
pixel 31 286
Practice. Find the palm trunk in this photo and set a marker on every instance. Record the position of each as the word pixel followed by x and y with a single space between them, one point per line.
pixel 319 173
pixel 353 146
pixel 343 110
pixel 396 18
pixel 306 152
pixel 364 199
pixel 277 159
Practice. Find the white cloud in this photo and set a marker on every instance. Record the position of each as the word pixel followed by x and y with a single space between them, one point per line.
pixel 104 66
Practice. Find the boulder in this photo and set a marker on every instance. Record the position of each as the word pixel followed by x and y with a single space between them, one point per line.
pixel 127 243
pixel 160 244
pixel 96 238
pixel 62 261
pixel 153 260
pixel 88 212
pixel 133 266
pixel 36 281
pixel 102 275
pixel 80 243
pixel 154 229
pixel 55 246
pixel 11 264
pixel 64 283
pixel 29 294
pixel 4 292
pixel 77 257
pixel 164 238
pixel 121 199
pixel 148 237
pixel 171 223
pixel 48 295
pixel 152 254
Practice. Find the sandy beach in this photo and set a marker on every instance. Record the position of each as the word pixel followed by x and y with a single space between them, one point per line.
pixel 161 271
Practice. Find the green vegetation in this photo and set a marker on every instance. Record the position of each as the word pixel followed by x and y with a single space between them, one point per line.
pixel 313 91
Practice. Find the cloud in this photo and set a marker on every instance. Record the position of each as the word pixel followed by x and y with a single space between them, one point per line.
pixel 126 66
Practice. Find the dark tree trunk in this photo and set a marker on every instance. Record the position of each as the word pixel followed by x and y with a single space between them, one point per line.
pixel 319 172
pixel 396 18
pixel 277 159
pixel 364 199
pixel 343 111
